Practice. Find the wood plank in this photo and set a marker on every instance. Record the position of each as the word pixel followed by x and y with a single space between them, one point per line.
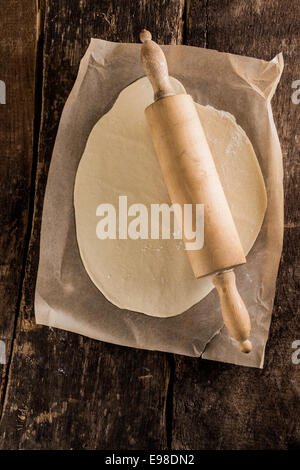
pixel 66 391
pixel 218 406
pixel 17 71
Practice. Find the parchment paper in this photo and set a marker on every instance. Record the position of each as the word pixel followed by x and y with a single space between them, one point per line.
pixel 66 297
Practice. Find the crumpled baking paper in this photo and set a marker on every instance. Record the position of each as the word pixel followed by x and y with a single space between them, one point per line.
pixel 66 298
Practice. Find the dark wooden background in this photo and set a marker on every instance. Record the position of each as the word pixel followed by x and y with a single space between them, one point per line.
pixel 63 391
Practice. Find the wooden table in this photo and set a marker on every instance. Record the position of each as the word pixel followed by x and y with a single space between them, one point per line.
pixel 64 391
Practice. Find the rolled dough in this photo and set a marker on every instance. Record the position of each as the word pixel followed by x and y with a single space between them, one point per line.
pixel 154 276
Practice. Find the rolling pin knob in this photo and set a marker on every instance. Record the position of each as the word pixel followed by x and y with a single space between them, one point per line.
pixel 145 35
pixel 155 66
pixel 235 314
pixel 246 346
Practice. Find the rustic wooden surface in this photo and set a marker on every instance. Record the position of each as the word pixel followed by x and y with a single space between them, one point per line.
pixel 17 70
pixel 64 391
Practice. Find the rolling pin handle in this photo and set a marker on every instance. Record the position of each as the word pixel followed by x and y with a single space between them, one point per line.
pixel 155 66
pixel 235 314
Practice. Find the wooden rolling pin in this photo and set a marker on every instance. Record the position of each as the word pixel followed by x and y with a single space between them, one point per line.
pixel 191 178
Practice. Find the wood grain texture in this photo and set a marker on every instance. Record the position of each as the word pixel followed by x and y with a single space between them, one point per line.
pixel 66 391
pixel 219 406
pixel 17 71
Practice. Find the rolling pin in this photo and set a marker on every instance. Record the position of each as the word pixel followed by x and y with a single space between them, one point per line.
pixel 191 177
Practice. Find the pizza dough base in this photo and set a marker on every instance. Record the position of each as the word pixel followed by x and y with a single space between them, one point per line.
pixel 154 276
